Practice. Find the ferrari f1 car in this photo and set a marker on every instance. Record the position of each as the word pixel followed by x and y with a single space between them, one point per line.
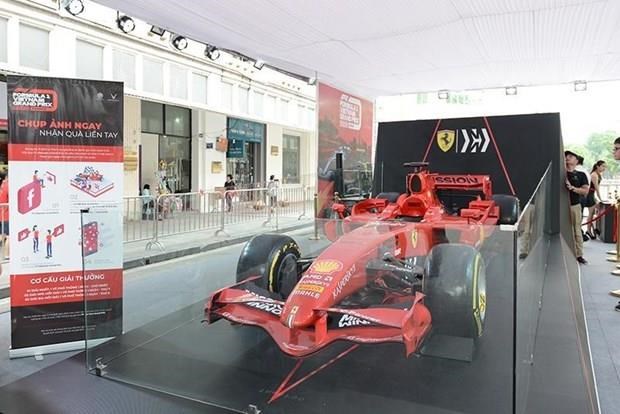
pixel 403 267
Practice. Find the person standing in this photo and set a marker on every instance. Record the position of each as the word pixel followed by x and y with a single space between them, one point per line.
pixel 229 188
pixel 594 196
pixel 48 244
pixel 35 239
pixel 272 191
pixel 577 186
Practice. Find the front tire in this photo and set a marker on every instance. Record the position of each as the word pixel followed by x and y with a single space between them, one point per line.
pixel 273 257
pixel 455 285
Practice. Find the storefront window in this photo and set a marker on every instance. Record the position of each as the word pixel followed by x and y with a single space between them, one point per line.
pixel 174 160
pixel 178 82
pixel 290 159
pixel 34 48
pixel 89 60
pixel 199 88
pixel 153 77
pixel 177 121
pixel 124 64
pixel 152 117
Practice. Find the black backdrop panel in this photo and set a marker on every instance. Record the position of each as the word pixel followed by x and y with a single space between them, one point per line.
pixel 514 150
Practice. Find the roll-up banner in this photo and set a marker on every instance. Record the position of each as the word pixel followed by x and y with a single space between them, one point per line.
pixel 65 157
pixel 345 127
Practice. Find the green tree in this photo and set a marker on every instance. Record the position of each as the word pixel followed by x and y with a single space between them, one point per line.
pixel 599 147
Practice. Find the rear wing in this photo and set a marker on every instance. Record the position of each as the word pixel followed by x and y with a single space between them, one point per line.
pixel 463 182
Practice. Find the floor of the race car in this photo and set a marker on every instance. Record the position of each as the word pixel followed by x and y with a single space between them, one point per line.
pixel 236 366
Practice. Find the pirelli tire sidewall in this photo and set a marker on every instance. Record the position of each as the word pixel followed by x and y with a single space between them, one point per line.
pixel 455 288
pixel 264 255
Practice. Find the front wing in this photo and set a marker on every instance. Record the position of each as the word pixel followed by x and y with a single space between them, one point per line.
pixel 369 325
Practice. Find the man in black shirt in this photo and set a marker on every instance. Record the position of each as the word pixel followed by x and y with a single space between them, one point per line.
pixel 577 185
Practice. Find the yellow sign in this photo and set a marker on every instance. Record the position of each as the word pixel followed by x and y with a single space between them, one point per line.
pixel 414 238
pixel 326 266
pixel 310 287
pixel 445 139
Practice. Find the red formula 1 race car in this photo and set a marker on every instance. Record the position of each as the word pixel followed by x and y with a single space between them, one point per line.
pixel 401 268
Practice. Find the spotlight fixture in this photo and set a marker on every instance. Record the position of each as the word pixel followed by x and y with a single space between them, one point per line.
pixel 511 90
pixel 312 81
pixel 126 24
pixel 212 52
pixel 156 30
pixel 580 86
pixel 443 94
pixel 179 42
pixel 259 64
pixel 74 7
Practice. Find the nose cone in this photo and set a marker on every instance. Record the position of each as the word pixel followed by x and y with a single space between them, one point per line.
pixel 298 315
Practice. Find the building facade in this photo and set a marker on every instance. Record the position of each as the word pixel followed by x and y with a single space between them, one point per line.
pixel 187 118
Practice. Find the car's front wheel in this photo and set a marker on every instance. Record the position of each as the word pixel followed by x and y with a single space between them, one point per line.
pixel 273 257
pixel 455 285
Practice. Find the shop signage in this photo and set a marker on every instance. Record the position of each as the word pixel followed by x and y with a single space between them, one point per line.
pixel 236 149
pixel 65 157
pixel 240 129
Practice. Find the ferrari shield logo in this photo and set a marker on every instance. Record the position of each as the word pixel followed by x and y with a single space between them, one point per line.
pixel 445 139
pixel 414 238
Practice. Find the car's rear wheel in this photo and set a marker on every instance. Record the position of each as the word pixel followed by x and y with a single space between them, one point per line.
pixel 508 208
pixel 455 285
pixel 273 257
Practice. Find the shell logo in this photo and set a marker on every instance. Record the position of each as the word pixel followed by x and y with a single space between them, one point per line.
pixel 326 266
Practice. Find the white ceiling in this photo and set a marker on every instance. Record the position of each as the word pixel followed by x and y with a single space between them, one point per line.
pixel 388 47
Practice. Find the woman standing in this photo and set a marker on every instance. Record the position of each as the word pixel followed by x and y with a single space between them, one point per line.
pixel 594 195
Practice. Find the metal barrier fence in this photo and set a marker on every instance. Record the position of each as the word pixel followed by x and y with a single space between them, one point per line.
pixel 151 218
pixel 610 189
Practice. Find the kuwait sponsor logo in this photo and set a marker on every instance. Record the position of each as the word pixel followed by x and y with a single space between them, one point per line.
pixel 39 100
pixel 326 266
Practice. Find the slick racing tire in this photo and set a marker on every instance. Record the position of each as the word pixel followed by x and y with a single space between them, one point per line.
pixel 455 288
pixel 508 208
pixel 273 257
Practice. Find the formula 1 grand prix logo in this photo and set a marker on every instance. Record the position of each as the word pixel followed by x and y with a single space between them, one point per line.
pixel 326 266
pixel 34 100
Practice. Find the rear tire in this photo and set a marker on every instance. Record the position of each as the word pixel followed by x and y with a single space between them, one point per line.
pixel 508 208
pixel 455 285
pixel 273 257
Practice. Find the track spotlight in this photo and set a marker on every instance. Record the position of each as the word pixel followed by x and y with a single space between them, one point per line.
pixel 259 64
pixel 212 52
pixel 443 94
pixel 126 24
pixel 580 86
pixel 179 42
pixel 511 90
pixel 74 7
pixel 312 81
pixel 156 30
